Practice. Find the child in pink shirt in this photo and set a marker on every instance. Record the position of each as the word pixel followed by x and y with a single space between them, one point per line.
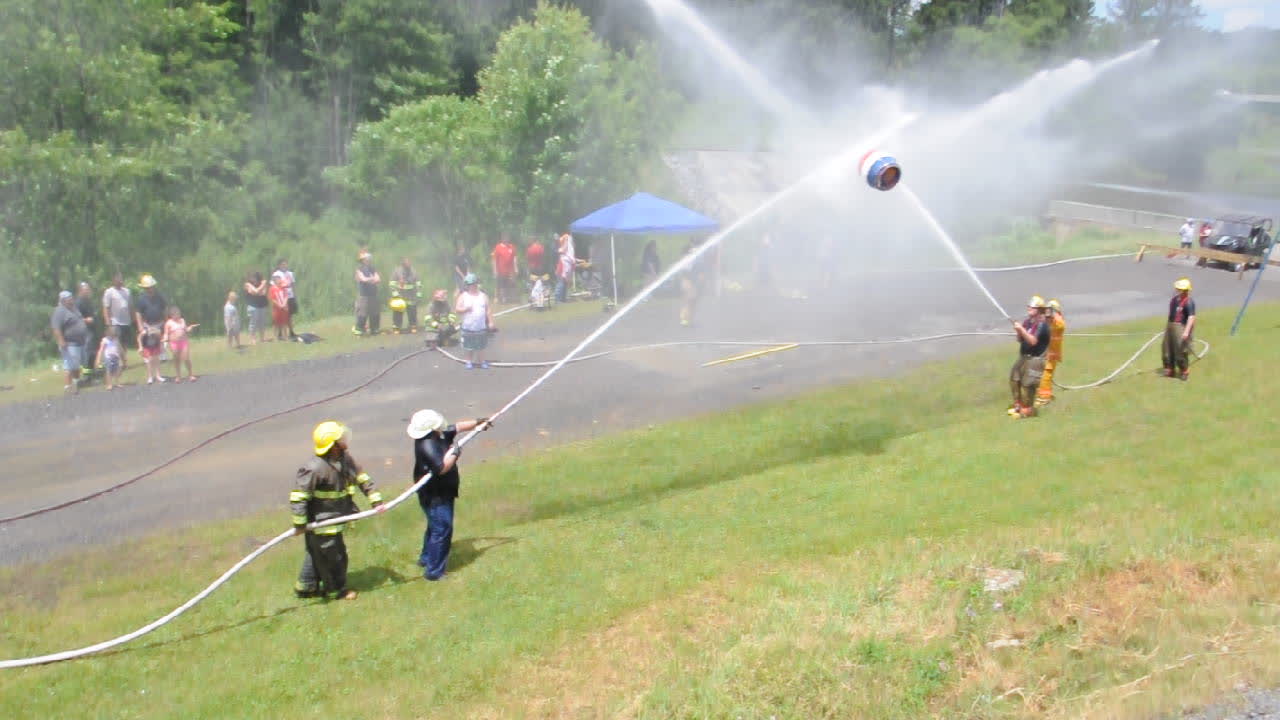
pixel 175 333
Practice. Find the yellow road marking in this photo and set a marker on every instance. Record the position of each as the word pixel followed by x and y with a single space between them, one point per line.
pixel 753 353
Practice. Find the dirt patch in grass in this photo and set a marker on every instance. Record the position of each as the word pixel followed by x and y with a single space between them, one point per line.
pixel 1129 641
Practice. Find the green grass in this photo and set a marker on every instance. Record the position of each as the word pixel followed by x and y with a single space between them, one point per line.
pixel 821 556
pixel 210 355
pixel 1029 243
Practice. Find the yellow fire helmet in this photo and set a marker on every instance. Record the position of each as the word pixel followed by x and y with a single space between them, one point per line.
pixel 1057 306
pixel 1036 302
pixel 327 433
pixel 1183 285
pixel 147 281
pixel 398 304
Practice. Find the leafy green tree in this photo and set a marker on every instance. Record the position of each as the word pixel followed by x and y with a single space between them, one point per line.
pixel 368 55
pixel 119 130
pixel 573 121
pixel 1143 19
pixel 560 125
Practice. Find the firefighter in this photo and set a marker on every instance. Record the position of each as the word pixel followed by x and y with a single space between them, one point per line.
pixel 325 489
pixel 442 320
pixel 406 292
pixel 1177 333
pixel 1033 343
pixel 1057 327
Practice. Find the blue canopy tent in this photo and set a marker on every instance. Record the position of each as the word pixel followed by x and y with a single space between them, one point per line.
pixel 640 214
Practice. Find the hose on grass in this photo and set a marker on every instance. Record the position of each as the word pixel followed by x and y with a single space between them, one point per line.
pixel 459 443
pixel 222 579
pixel 1132 359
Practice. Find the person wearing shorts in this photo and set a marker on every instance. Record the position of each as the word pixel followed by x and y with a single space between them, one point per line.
pixel 1033 341
pixel 255 299
pixel 477 321
pixel 109 358
pixel 291 303
pixel 71 334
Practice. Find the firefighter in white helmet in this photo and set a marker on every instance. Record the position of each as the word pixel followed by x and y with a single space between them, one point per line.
pixel 1033 342
pixel 325 489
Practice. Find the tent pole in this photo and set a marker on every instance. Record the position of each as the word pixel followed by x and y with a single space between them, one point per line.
pixel 613 268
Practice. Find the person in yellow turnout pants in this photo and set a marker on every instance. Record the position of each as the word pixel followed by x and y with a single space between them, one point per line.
pixel 1057 328
pixel 326 488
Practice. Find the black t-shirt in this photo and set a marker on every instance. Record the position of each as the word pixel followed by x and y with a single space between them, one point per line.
pixel 367 289
pixel 1180 310
pixel 428 455
pixel 151 307
pixel 86 307
pixel 1038 328
pixel 253 299
pixel 462 263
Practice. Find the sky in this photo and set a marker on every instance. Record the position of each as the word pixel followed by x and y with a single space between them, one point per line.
pixel 1226 15
pixel 1229 15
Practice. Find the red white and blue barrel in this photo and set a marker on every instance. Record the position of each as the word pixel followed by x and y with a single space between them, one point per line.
pixel 881 171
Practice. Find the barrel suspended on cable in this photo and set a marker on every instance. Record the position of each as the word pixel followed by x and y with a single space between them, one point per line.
pixel 881 171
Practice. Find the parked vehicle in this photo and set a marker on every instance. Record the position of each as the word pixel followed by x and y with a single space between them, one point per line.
pixel 1243 235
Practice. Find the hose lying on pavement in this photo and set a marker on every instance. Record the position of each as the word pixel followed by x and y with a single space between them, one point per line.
pixel 208 441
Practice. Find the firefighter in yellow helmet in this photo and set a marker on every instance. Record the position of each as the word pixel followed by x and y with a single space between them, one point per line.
pixel 1033 342
pixel 1057 328
pixel 325 489
pixel 1177 333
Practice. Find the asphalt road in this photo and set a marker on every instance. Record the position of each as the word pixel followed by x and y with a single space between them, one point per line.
pixel 66 447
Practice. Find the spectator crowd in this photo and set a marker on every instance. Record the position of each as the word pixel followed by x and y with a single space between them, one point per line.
pixel 100 335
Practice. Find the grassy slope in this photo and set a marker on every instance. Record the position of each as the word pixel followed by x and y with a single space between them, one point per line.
pixel 210 354
pixel 822 556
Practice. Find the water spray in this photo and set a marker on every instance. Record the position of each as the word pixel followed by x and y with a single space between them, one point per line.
pixel 953 248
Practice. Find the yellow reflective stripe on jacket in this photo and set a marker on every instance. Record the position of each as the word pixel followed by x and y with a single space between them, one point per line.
pixel 299 519
pixel 362 478
pixel 330 530
pixel 375 496
pixel 299 496
pixel 331 494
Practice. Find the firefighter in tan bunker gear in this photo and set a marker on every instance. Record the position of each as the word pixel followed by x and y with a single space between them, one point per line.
pixel 326 489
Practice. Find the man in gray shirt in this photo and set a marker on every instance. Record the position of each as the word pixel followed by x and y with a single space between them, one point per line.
pixel 117 312
pixel 71 334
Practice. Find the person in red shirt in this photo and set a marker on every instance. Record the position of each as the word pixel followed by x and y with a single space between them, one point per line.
pixel 505 268
pixel 278 296
pixel 534 257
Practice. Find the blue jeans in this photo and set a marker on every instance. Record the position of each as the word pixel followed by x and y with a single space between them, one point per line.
pixel 438 536
pixel 562 290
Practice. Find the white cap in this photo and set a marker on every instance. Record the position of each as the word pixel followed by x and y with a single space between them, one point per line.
pixel 424 422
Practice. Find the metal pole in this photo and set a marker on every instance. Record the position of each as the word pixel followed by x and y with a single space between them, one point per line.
pixel 613 267
pixel 1266 260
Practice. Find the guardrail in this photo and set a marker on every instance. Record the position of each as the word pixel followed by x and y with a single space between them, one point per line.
pixel 1078 212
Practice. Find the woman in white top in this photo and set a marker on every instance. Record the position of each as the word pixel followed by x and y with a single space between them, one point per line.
pixel 473 307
